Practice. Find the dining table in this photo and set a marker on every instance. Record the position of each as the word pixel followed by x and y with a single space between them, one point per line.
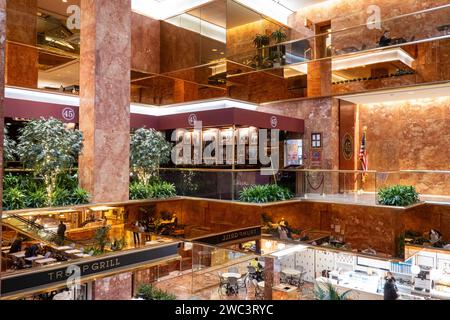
pixel 63 248
pixel 43 262
pixel 31 259
pixel 227 275
pixel 73 251
pixel 18 255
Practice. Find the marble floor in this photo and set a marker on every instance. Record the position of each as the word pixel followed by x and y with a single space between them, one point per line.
pixel 205 286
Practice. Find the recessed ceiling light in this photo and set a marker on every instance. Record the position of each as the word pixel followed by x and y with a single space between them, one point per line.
pixel 411 92
pixel 65 1
pixel 214 50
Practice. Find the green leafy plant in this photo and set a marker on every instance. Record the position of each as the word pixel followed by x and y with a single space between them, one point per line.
pixel 261 40
pixel 9 153
pixel 149 292
pixel 60 197
pixel 149 149
pixel 327 291
pixel 139 191
pixel 92 250
pixel 102 236
pixel 398 195
pixel 13 199
pixel 265 193
pixel 36 198
pixel 49 148
pixel 163 190
pixel 79 196
pixel 279 35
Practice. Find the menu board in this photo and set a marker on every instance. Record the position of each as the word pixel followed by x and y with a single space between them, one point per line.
pixel 293 153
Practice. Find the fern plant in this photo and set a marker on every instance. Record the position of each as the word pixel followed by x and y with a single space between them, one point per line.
pixel 398 195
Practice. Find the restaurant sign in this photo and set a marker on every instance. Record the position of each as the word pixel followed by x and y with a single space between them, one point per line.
pixel 40 279
pixel 230 236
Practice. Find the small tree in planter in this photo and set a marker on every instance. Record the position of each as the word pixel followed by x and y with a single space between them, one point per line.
pixel 149 149
pixel 49 148
pixel 8 147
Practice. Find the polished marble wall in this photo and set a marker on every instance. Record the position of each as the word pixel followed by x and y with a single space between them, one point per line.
pixel 145 43
pixel 410 135
pixel 321 116
pixel 21 52
pixel 117 287
pixel 105 98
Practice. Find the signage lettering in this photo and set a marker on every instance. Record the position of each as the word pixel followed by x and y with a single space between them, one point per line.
pixel 231 236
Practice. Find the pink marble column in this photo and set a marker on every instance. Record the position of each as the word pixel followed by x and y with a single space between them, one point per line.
pixel 2 95
pixel 105 98
pixel 269 269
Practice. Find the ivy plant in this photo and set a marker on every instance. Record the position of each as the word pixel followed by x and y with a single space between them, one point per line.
pixel 49 148
pixel 149 149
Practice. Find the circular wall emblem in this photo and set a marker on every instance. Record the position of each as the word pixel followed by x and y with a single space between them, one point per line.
pixel 347 147
pixel 274 122
pixel 68 114
pixel 192 119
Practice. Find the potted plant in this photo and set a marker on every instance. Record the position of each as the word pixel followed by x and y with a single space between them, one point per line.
pixel 260 41
pixel 398 195
pixel 327 291
pixel 279 36
pixel 265 193
pixel 8 147
pixel 49 148
pixel 102 237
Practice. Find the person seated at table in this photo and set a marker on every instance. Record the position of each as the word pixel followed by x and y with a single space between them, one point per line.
pixel 16 245
pixel 30 252
pixel 174 220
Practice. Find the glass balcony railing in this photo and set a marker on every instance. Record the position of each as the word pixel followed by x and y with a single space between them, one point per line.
pixel 353 40
pixel 358 58
pixel 346 186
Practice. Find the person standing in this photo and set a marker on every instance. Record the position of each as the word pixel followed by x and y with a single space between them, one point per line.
pixel 390 288
pixel 136 233
pixel 61 232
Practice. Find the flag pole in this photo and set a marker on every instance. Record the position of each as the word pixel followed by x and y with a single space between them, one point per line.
pixel 364 159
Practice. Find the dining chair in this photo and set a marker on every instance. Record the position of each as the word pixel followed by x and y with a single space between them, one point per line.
pixel 233 287
pixel 242 282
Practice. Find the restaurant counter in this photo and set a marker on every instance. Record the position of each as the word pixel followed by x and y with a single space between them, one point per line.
pixel 362 285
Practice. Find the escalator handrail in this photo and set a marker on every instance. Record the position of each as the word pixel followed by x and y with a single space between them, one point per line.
pixel 40 227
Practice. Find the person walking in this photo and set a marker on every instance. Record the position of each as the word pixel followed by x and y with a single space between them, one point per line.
pixel 61 232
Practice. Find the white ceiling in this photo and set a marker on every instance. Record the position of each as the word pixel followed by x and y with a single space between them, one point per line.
pixel 408 93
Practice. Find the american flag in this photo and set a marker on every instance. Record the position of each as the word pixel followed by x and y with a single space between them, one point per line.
pixel 363 153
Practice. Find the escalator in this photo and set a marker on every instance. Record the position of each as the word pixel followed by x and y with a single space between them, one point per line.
pixel 36 231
